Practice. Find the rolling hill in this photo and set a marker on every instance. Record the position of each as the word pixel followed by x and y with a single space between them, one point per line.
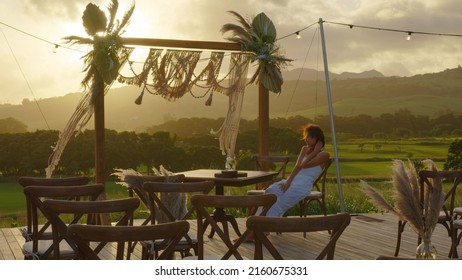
pixel 353 93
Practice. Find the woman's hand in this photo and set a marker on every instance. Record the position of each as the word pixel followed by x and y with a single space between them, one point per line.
pixel 317 147
pixel 285 186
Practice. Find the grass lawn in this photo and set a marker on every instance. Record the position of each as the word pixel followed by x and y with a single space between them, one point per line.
pixel 13 202
pixel 368 159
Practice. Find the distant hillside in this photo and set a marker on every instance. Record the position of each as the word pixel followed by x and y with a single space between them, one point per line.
pixel 313 75
pixel 353 93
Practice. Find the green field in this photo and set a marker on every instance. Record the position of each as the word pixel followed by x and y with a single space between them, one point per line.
pixel 366 159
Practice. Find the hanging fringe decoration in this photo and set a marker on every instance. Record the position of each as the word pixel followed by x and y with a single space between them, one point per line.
pixel 172 75
pixel 209 100
pixel 140 98
pixel 78 120
pixel 237 81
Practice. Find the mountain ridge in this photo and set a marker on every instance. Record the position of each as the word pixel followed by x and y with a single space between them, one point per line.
pixel 429 94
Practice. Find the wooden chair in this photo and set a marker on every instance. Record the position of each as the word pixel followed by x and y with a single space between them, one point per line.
pixel 455 237
pixel 318 194
pixel 59 210
pixel 82 235
pixel 40 246
pixel 39 181
pixel 260 226
pixel 204 204
pixel 161 213
pixel 426 178
pixel 135 186
pixel 277 163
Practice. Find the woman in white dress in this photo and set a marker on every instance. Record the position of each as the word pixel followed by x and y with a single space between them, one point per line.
pixel 299 184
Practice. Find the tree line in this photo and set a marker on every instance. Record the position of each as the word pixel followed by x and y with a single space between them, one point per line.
pixel 27 154
pixel 187 144
pixel 399 124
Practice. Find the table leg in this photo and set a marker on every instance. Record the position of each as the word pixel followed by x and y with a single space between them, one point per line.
pixel 219 215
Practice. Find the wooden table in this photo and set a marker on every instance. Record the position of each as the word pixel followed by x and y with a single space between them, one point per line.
pixel 252 177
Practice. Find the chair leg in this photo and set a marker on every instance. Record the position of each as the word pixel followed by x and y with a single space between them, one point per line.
pixel 454 243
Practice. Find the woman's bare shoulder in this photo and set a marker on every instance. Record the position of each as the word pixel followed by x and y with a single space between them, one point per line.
pixel 324 155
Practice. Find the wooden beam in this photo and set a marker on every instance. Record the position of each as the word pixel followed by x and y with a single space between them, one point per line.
pixel 179 44
pixel 182 44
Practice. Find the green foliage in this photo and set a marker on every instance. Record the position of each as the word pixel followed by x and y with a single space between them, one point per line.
pixel 454 157
pixel 94 20
pixel 11 125
pixel 258 38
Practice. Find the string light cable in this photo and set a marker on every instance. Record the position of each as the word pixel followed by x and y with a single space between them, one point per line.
pixel 25 78
pixel 56 45
pixel 301 71
pixel 297 32
pixel 407 32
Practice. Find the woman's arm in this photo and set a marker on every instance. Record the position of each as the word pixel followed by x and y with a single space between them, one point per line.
pixel 303 164
pixel 320 159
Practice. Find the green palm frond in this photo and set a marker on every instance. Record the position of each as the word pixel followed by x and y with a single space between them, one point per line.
pixel 241 19
pixel 112 9
pixel 237 32
pixel 125 19
pixel 94 20
pixel 258 37
pixel 104 59
pixel 264 29
pixel 73 40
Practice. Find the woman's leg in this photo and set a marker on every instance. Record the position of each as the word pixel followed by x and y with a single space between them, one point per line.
pixel 290 197
pixel 275 189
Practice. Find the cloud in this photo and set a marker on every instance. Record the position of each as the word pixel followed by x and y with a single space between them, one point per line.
pixel 352 50
pixel 71 10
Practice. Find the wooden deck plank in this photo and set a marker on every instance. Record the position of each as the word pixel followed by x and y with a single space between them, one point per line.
pixel 15 241
pixel 367 237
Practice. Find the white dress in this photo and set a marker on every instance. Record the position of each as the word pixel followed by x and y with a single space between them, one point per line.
pixel 301 186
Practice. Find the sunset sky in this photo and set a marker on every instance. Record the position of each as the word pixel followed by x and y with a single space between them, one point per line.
pixel 31 67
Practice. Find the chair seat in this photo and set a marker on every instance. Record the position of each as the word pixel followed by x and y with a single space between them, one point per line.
pixel 65 250
pixel 458 223
pixel 256 192
pixel 458 210
pixel 314 195
pixel 47 234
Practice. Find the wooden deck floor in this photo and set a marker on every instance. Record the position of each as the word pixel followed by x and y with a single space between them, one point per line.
pixel 367 237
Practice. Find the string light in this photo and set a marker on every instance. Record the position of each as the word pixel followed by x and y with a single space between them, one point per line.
pixel 408 37
pixel 407 32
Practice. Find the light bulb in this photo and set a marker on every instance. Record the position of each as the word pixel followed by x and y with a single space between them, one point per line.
pixel 298 35
pixel 408 37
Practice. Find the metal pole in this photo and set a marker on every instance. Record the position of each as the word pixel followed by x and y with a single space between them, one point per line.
pixel 331 113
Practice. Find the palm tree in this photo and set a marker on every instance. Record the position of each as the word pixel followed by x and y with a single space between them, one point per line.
pixel 258 37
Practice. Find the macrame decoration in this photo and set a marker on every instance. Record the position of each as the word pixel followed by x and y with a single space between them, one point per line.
pixel 79 119
pixel 237 81
pixel 173 75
